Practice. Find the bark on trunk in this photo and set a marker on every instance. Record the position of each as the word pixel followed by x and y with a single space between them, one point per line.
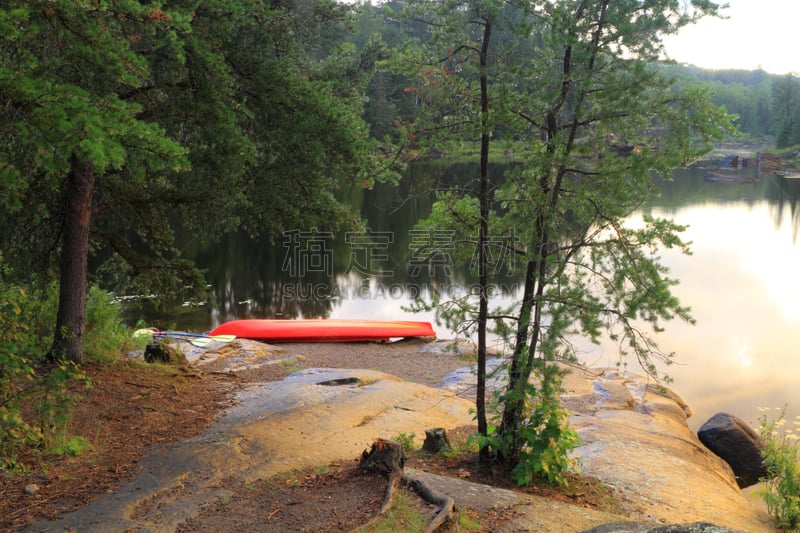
pixel 68 339
pixel 483 242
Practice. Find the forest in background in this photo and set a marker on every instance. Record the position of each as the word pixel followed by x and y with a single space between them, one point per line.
pixel 767 106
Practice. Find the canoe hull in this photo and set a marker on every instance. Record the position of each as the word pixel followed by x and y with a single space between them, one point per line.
pixel 323 330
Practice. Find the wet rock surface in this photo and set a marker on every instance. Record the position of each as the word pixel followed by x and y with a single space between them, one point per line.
pixel 275 427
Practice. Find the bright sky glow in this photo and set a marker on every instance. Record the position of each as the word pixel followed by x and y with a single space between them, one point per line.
pixel 757 33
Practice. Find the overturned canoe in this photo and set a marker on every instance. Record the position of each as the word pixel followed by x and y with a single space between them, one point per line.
pixel 323 330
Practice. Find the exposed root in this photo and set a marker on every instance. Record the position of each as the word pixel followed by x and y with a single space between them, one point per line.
pixel 390 496
pixel 386 456
pixel 446 504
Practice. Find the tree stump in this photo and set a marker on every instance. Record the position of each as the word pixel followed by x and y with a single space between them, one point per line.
pixel 385 456
pixel 436 441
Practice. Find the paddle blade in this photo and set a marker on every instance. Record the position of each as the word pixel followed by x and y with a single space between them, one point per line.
pixel 144 333
pixel 202 342
pixel 221 338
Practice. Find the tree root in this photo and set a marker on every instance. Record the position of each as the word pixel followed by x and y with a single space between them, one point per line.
pixel 386 456
pixel 446 504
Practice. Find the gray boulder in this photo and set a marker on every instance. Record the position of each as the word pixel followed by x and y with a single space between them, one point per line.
pixel 738 444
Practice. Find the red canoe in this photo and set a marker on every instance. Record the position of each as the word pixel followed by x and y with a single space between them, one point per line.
pixel 323 330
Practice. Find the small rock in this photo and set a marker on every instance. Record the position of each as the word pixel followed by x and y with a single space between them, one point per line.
pixel 31 489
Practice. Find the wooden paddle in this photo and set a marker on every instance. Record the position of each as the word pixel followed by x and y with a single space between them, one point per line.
pixel 196 339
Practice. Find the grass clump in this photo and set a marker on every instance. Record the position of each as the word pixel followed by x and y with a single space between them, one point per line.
pixel 782 482
pixel 403 517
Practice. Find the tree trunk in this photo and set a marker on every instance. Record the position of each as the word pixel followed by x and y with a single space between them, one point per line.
pixel 483 242
pixel 68 339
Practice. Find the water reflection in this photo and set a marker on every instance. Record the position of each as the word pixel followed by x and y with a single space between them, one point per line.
pixel 741 282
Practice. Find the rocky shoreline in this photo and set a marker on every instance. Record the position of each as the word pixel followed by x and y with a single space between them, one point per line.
pixel 635 439
pixel 634 433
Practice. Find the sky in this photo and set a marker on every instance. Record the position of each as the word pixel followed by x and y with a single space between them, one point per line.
pixel 758 33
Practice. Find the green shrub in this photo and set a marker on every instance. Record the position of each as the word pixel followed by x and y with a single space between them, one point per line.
pixel 105 335
pixel 406 441
pixel 782 492
pixel 549 441
pixel 20 347
pixel 27 318
pixel 546 436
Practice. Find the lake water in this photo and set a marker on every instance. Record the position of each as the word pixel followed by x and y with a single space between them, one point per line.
pixel 742 283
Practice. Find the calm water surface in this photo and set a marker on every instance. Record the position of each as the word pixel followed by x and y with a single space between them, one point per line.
pixel 742 283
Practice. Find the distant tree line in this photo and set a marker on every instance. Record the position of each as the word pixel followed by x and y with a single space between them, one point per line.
pixel 767 106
